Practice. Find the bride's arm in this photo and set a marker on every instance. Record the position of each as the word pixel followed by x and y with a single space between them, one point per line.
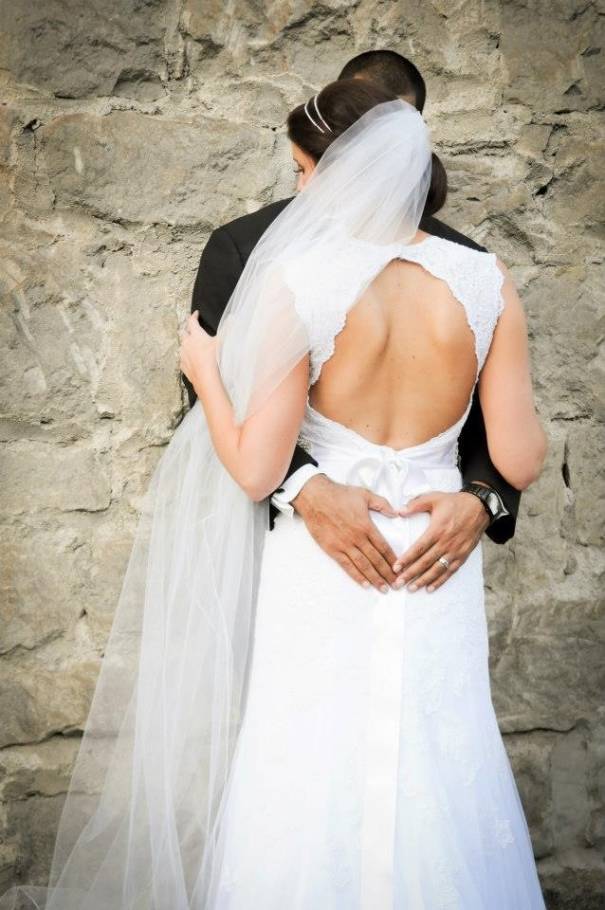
pixel 516 440
pixel 258 452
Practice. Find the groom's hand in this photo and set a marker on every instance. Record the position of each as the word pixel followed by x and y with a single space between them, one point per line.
pixel 457 522
pixel 338 518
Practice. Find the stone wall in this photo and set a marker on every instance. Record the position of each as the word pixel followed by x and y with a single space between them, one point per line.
pixel 131 128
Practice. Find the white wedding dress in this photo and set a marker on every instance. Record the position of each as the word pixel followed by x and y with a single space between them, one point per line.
pixel 370 773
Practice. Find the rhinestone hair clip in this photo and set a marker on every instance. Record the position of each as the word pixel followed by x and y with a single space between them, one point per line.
pixel 314 122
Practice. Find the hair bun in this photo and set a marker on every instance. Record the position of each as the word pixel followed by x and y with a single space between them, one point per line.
pixel 437 193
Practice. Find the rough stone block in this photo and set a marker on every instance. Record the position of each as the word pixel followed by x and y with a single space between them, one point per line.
pixel 44 476
pixel 81 49
pixel 179 170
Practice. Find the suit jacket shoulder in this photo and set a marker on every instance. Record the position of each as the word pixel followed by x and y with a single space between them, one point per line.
pixel 246 231
pixel 440 229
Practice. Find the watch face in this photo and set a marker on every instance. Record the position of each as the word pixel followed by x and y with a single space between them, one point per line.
pixel 492 503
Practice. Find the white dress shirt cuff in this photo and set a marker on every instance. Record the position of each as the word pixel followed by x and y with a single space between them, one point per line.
pixel 291 487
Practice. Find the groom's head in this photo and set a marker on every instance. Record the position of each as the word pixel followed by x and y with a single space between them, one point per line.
pixel 392 72
pixel 312 127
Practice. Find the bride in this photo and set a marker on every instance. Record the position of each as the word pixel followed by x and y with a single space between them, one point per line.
pixel 265 733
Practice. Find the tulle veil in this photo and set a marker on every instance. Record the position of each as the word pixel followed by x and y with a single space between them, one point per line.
pixel 140 826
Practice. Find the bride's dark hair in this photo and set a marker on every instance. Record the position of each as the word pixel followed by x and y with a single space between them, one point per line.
pixel 341 104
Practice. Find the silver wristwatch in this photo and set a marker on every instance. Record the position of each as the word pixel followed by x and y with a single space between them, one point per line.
pixel 491 500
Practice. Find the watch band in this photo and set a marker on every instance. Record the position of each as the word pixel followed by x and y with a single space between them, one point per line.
pixel 490 498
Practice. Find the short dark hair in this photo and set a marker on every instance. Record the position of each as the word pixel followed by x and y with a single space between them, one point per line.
pixel 341 104
pixel 390 70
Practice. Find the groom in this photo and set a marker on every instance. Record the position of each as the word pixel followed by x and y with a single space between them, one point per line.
pixel 337 516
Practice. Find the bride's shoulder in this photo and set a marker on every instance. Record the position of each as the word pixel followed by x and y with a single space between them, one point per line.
pixel 459 248
pixel 471 262
pixel 475 276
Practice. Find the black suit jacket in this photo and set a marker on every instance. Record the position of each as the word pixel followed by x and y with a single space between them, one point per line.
pixel 221 265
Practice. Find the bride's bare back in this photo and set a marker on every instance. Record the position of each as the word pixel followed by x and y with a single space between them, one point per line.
pixel 398 363
pixel 404 365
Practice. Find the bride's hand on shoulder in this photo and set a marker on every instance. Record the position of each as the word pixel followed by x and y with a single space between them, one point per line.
pixel 197 351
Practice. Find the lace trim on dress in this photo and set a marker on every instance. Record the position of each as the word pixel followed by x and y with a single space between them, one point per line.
pixel 327 283
pixel 325 286
pixel 475 281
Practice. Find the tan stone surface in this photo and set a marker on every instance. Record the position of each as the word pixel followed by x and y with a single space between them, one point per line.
pixel 127 132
